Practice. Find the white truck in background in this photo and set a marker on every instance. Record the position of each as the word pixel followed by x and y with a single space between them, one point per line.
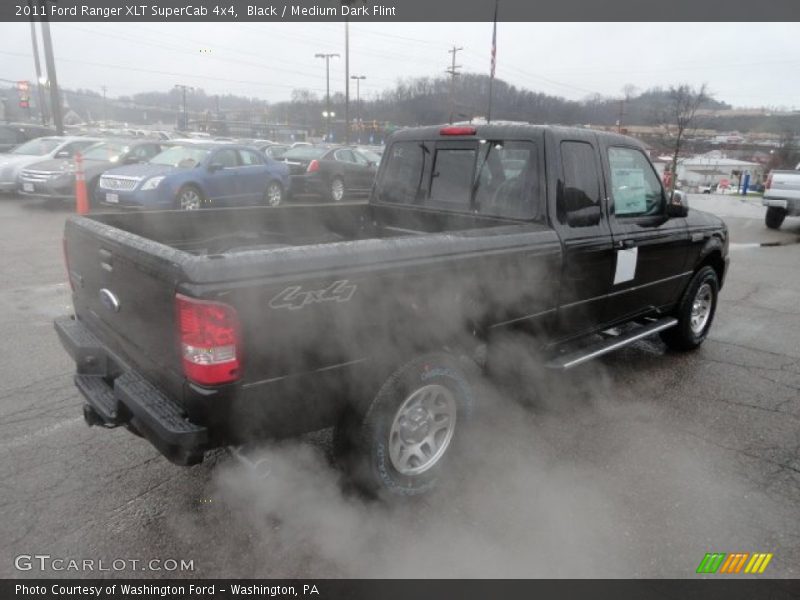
pixel 782 196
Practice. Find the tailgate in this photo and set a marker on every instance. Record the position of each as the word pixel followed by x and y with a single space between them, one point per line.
pixel 784 185
pixel 125 296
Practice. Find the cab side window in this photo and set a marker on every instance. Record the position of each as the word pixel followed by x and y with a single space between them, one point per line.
pixel 578 203
pixel 635 187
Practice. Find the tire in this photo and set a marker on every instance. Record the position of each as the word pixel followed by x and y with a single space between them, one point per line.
pixel 336 189
pixel 775 217
pixel 273 196
pixel 401 444
pixel 695 312
pixel 189 198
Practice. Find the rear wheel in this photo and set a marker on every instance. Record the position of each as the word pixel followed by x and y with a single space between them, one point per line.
pixel 695 312
pixel 188 198
pixel 337 189
pixel 400 445
pixel 274 194
pixel 775 216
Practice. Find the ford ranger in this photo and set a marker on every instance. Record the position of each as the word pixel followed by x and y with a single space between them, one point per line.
pixel 219 327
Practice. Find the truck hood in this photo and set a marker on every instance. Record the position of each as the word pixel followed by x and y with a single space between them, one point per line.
pixel 701 218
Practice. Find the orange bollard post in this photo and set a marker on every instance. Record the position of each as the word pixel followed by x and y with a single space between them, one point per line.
pixel 81 195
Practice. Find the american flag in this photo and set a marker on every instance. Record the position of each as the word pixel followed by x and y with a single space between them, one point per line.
pixel 494 40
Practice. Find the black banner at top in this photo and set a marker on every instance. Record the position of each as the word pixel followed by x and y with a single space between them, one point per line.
pixel 711 11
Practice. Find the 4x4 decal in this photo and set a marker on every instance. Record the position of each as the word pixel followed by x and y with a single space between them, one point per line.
pixel 295 298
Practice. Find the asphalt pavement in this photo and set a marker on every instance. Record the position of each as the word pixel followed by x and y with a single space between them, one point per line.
pixel 641 463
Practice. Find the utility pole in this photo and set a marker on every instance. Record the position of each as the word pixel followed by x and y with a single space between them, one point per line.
pixel 50 61
pixel 184 89
pixel 358 79
pixel 347 81
pixel 39 79
pixel 328 114
pixel 105 107
pixel 453 71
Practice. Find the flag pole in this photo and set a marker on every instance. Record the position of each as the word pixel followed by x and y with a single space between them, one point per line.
pixel 494 63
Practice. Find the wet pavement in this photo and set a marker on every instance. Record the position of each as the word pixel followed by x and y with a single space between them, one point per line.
pixel 647 461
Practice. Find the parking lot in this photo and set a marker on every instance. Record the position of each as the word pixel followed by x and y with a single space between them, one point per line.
pixel 637 466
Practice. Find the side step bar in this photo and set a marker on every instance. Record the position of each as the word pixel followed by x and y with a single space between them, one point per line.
pixel 582 355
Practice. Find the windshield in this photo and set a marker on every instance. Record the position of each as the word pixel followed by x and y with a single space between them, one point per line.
pixel 304 153
pixel 38 147
pixel 184 157
pixel 105 151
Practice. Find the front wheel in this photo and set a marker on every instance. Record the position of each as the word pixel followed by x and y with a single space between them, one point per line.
pixel 274 194
pixel 695 312
pixel 775 216
pixel 404 440
pixel 188 198
pixel 337 189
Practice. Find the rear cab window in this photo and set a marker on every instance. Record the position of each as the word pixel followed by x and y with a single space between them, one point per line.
pixel 497 178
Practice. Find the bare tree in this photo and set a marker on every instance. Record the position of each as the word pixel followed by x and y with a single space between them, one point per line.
pixel 683 102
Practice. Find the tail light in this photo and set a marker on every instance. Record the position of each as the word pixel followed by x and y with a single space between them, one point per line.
pixel 313 166
pixel 210 344
pixel 769 182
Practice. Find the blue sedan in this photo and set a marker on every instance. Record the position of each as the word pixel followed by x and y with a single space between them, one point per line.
pixel 190 176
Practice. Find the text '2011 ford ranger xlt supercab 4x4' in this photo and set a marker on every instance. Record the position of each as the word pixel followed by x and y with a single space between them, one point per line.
pixel 219 327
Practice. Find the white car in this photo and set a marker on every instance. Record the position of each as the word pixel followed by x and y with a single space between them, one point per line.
pixel 39 149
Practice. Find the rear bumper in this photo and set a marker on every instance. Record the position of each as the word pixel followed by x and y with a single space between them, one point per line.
pixel 791 205
pixel 311 183
pixel 117 395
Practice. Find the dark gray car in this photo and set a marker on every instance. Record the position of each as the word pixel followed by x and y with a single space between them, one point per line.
pixel 55 179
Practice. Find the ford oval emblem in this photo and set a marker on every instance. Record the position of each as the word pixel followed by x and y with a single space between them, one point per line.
pixel 109 300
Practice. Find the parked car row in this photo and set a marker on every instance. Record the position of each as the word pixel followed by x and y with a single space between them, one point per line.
pixel 190 176
pixel 187 173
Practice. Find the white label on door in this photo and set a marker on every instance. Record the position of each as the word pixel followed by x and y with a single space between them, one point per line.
pixel 626 265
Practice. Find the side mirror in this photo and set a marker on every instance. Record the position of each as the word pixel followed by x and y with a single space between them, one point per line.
pixel 131 160
pixel 678 205
pixel 215 167
pixel 63 154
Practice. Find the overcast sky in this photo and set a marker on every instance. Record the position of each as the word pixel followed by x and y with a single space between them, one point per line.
pixel 748 65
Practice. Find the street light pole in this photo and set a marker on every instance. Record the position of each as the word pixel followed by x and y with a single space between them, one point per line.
pixel 358 79
pixel 328 114
pixel 184 89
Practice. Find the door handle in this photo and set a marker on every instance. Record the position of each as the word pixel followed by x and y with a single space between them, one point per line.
pixel 625 244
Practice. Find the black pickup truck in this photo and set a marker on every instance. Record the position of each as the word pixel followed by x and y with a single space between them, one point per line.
pixel 224 326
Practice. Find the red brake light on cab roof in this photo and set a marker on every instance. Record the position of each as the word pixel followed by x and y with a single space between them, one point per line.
pixel 313 166
pixel 458 130
pixel 209 338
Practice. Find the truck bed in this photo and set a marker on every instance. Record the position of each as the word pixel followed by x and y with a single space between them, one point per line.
pixel 226 231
